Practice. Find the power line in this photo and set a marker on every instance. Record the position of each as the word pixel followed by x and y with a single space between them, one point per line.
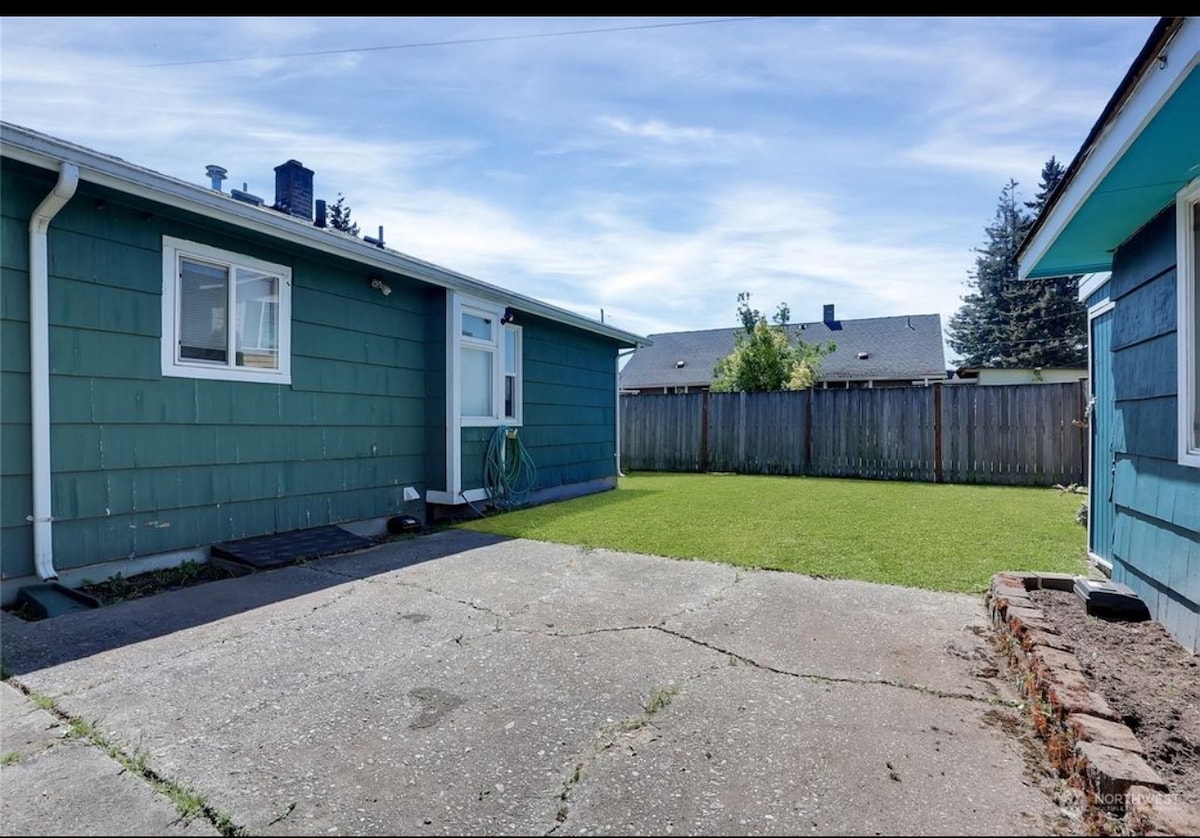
pixel 456 42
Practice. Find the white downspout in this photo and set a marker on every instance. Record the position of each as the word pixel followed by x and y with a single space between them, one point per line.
pixel 39 364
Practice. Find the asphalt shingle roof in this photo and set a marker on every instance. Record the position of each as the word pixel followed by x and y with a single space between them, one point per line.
pixel 906 347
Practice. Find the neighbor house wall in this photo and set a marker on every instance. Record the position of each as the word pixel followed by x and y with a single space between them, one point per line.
pixel 1156 501
pixel 994 377
pixel 146 464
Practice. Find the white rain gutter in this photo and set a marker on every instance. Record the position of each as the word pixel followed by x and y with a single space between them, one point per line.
pixel 39 363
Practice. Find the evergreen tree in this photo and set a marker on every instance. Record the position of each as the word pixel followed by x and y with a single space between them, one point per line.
pixel 1056 319
pixel 1006 322
pixel 767 357
pixel 339 216
pixel 979 328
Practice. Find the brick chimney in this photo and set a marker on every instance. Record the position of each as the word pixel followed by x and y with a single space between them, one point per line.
pixel 294 189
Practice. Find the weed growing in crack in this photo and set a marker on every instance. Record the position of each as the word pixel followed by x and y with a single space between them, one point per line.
pixel 660 699
pixel 10 758
pixel 189 803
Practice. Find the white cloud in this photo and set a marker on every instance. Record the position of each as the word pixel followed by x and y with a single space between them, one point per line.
pixel 654 174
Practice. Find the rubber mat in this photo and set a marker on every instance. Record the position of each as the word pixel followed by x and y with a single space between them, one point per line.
pixel 263 551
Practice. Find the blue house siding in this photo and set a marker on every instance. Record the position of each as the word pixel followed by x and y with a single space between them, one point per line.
pixel 1155 501
pixel 144 464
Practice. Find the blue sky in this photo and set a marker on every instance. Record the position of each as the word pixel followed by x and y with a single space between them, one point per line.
pixel 652 171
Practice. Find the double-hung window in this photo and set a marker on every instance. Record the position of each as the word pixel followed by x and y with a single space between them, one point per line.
pixel 489 366
pixel 225 315
pixel 1187 236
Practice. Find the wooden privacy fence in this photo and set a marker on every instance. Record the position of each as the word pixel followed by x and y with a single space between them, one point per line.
pixel 1022 434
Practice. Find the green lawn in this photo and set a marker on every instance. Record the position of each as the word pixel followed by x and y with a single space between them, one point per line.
pixel 944 537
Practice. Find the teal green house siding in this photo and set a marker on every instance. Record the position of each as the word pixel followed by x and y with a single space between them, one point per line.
pixel 1155 502
pixel 570 404
pixel 145 465
pixel 435 389
pixel 16 498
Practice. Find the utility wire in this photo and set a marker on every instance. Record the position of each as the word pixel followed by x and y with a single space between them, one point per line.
pixel 455 42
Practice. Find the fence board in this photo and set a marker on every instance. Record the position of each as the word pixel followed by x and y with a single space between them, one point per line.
pixel 1014 434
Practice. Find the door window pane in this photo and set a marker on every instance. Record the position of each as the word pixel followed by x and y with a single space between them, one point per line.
pixel 474 326
pixel 476 382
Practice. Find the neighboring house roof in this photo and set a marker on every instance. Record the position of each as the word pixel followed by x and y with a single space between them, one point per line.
pixel 44 151
pixel 1142 150
pixel 907 347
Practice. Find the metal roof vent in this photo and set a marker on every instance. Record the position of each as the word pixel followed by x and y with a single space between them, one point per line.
pixel 377 242
pixel 680 364
pixel 245 197
pixel 216 174
pixel 862 356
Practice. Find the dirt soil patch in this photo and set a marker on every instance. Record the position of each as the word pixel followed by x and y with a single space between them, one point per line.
pixel 121 588
pixel 1151 681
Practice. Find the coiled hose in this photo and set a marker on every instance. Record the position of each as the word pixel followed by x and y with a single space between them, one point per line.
pixel 508 472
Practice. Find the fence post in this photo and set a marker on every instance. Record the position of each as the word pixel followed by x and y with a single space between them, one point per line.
pixel 741 433
pixel 938 477
pixel 703 431
pixel 808 430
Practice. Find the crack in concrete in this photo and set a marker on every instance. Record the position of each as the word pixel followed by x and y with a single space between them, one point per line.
pixel 612 735
pixel 743 659
pixel 629 729
pixel 188 804
pixel 440 595
pixel 712 599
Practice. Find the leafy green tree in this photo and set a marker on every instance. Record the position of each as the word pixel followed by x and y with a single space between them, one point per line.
pixel 1006 322
pixel 767 357
pixel 339 216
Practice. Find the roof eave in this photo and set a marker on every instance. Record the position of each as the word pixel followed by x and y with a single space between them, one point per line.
pixel 1133 103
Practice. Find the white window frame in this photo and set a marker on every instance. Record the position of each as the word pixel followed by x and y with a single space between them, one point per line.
pixel 174 250
pixel 518 374
pixel 1187 270
pixel 496 347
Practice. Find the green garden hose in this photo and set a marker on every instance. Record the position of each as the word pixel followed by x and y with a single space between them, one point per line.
pixel 508 473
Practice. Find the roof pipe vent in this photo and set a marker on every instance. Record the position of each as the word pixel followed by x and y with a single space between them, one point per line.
pixel 377 242
pixel 216 174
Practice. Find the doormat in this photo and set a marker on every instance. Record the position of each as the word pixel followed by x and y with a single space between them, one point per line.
pixel 265 551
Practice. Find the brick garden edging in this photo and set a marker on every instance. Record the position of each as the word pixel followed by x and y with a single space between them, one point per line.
pixel 1088 744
